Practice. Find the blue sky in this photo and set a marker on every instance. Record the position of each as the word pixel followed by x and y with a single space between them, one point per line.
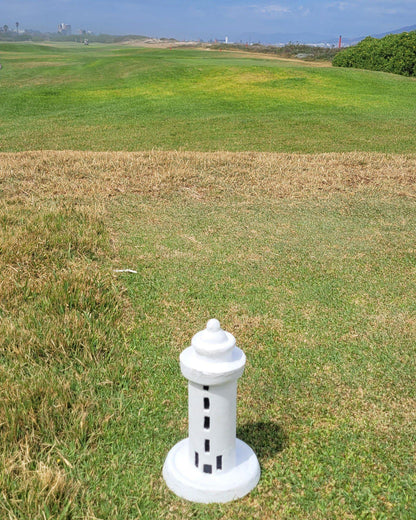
pixel 187 19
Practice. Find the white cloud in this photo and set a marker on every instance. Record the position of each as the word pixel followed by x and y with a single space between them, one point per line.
pixel 304 11
pixel 381 6
pixel 273 9
pixel 341 6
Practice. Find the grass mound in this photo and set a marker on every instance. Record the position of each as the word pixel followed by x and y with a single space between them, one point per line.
pixel 107 97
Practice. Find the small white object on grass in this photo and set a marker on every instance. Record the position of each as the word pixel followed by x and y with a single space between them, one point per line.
pixel 125 271
pixel 212 465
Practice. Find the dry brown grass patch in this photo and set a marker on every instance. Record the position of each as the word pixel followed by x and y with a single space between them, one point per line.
pixel 248 175
pixel 36 485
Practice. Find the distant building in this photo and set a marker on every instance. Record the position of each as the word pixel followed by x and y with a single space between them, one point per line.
pixel 64 29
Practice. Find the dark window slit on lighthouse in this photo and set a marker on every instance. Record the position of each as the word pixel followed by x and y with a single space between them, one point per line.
pixel 207 468
pixel 206 403
pixel 206 423
pixel 205 387
pixel 219 462
pixel 207 447
pixel 196 459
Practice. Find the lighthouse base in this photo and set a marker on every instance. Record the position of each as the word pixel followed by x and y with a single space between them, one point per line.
pixel 186 481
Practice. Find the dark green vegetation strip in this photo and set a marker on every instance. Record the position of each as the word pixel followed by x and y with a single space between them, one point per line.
pixel 308 260
pixel 106 97
pixel 394 53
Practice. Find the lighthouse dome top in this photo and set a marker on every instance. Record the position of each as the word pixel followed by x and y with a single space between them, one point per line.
pixel 213 341
pixel 213 357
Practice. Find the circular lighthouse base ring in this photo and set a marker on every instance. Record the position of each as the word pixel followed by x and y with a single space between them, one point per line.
pixel 186 481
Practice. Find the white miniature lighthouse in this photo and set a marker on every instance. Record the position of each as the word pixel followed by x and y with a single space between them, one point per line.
pixel 212 465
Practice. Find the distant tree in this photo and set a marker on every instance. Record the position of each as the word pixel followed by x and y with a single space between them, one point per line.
pixel 17 27
pixel 5 28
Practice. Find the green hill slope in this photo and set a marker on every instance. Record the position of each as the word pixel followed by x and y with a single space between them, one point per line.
pixel 105 97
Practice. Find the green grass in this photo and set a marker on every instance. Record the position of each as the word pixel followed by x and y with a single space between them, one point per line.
pixel 104 97
pixel 308 260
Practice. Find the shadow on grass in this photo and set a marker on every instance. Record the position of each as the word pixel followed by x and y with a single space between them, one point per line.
pixel 266 438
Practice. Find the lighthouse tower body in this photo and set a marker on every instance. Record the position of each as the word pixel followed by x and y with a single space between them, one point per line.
pixel 212 465
pixel 212 426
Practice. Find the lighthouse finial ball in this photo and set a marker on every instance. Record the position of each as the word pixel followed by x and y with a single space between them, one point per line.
pixel 213 325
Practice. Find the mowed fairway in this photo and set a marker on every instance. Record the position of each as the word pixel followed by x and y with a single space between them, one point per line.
pixel 309 259
pixel 126 98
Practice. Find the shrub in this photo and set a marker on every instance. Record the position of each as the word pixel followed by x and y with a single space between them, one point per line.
pixel 394 53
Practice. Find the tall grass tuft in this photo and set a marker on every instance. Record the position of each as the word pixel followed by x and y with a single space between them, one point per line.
pixel 60 315
pixel 56 304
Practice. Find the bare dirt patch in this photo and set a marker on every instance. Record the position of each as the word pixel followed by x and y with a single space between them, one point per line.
pixel 265 56
pixel 156 43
